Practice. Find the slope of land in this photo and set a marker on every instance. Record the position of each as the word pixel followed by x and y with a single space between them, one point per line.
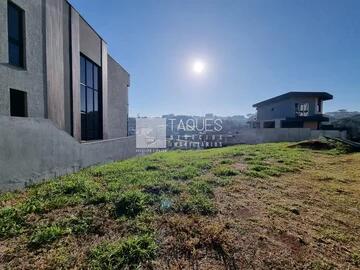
pixel 351 124
pixel 270 206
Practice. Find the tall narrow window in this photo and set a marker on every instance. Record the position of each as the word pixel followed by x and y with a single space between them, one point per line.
pixel 18 103
pixel 16 35
pixel 90 93
pixel 319 105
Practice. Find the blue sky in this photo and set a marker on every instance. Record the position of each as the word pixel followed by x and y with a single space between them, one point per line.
pixel 252 50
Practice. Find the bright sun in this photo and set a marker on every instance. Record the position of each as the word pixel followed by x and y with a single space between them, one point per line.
pixel 198 67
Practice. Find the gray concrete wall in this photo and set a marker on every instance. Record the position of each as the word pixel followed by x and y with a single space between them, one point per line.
pixel 276 110
pixel 118 81
pixel 75 73
pixel 104 90
pixel 329 133
pixel 92 46
pixel 36 148
pixel 55 62
pixel 33 149
pixel 3 33
pixel 285 108
pixel 67 67
pixel 52 74
pixel 254 136
pixel 31 79
pixel 90 42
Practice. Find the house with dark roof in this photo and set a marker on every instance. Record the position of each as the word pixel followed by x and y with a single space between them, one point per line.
pixel 292 110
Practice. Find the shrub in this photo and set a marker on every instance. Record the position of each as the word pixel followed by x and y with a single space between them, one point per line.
pixel 262 171
pixel 200 187
pixel 355 258
pixel 46 235
pixel 32 205
pixel 186 173
pixel 129 253
pixel 172 188
pixel 256 174
pixel 202 164
pixel 141 224
pixel 76 225
pixel 224 170
pixel 42 205
pixel 131 203
pixel 8 196
pixel 11 222
pixel 198 204
pixel 226 161
pixel 152 168
pixel 70 190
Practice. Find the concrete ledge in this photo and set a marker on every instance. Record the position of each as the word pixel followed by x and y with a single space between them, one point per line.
pixel 33 149
pixel 268 135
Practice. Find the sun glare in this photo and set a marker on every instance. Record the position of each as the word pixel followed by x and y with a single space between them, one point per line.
pixel 198 67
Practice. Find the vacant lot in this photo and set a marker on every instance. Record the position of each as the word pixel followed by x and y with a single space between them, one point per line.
pixel 245 207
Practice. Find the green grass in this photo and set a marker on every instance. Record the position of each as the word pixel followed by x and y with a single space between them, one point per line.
pixel 129 253
pixel 11 222
pixel 130 196
pixel 355 258
pixel 47 234
pixel 336 235
pixel 224 170
pixel 131 203
pixel 154 181
pixel 198 204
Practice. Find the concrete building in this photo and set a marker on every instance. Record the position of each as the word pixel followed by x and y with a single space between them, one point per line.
pixel 292 110
pixel 63 98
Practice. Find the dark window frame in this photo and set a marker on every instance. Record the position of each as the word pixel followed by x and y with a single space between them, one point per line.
pixel 269 124
pixel 302 109
pixel 319 105
pixel 14 109
pixel 292 124
pixel 20 41
pixel 96 133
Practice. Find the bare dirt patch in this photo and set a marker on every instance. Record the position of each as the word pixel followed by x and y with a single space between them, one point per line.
pixel 315 145
pixel 240 166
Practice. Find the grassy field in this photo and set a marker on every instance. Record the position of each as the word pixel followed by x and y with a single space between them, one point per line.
pixel 270 206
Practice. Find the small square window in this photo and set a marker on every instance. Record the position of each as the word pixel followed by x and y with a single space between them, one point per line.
pixel 18 103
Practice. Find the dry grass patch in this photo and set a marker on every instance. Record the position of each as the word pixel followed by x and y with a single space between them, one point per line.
pixel 243 207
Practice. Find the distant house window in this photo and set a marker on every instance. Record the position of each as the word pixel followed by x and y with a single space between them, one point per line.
pixel 319 107
pixel 292 124
pixel 90 95
pixel 302 109
pixel 16 35
pixel 269 124
pixel 18 103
